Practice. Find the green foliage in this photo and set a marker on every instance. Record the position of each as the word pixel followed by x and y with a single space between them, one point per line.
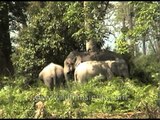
pixel 94 13
pixel 142 20
pixel 11 15
pixel 122 46
pixel 43 40
pixel 53 30
pixel 148 67
pixel 145 17
pixel 78 100
pixel 18 10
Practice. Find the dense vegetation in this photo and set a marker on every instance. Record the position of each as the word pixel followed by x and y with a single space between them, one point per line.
pixel 80 101
pixel 47 31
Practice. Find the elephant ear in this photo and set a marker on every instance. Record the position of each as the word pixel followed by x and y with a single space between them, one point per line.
pixel 78 60
pixel 114 68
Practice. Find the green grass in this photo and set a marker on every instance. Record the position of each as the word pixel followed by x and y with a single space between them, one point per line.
pixel 77 100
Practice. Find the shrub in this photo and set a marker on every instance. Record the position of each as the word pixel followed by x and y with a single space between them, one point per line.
pixel 78 100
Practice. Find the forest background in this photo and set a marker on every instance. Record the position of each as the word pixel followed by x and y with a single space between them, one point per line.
pixel 33 34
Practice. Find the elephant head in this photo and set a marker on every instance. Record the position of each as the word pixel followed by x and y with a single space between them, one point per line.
pixel 120 68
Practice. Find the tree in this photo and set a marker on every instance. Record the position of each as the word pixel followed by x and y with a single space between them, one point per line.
pixel 54 29
pixel 124 21
pixel 10 13
pixel 5 44
pixel 94 13
pixel 141 19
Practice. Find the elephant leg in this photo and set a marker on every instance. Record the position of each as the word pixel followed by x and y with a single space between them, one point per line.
pixel 49 83
pixel 109 74
pixel 58 82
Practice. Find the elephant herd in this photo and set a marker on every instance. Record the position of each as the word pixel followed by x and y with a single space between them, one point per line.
pixel 81 66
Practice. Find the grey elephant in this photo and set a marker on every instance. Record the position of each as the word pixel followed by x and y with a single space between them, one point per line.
pixel 52 75
pixel 76 57
pixel 90 69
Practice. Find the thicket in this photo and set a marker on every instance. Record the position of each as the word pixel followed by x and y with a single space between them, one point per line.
pixel 79 101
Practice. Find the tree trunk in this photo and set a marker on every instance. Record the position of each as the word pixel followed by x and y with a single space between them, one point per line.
pixel 158 38
pixel 91 44
pixel 158 47
pixel 5 43
pixel 133 51
pixel 152 45
pixel 144 43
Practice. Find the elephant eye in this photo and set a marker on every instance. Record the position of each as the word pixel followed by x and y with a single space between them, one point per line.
pixel 67 63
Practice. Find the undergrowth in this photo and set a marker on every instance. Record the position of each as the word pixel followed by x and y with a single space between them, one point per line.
pixel 76 100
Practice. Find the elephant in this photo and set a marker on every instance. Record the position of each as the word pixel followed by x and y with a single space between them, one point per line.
pixel 52 75
pixel 76 57
pixel 108 69
pixel 89 69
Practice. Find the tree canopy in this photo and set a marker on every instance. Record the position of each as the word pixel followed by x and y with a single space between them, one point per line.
pixel 48 31
pixel 53 30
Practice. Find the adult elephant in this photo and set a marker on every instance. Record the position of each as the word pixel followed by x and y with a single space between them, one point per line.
pixel 90 69
pixel 107 69
pixel 52 75
pixel 76 57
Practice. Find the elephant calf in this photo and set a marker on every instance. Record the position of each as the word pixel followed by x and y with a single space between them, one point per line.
pixel 52 75
pixel 89 69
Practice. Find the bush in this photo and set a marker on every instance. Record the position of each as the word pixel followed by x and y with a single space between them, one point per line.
pixel 78 100
pixel 146 69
